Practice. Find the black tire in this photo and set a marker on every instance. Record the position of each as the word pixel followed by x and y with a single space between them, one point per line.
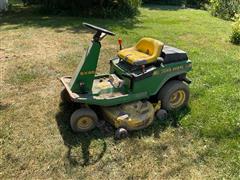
pixel 121 133
pixel 65 97
pixel 83 120
pixel 161 114
pixel 173 89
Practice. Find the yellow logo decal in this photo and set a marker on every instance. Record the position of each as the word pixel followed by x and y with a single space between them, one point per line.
pixel 87 73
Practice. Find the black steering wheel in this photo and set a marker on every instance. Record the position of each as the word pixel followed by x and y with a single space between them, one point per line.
pixel 98 29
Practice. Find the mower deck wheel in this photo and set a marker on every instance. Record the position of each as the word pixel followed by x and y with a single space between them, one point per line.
pixel 83 120
pixel 121 133
pixel 161 114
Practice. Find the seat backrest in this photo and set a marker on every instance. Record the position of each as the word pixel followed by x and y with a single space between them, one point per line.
pixel 149 46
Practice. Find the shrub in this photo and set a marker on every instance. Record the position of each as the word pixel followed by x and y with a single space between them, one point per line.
pixel 191 3
pixel 97 8
pixel 26 2
pixel 121 8
pixel 235 37
pixel 196 3
pixel 166 2
pixel 225 9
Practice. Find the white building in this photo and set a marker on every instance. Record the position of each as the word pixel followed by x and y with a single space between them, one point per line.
pixel 3 5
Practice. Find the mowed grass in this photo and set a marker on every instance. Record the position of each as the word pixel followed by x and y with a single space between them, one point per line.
pixel 201 142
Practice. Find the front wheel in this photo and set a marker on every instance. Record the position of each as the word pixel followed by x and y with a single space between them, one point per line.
pixel 174 95
pixel 83 120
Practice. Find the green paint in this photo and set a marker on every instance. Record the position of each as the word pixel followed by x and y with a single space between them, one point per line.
pixel 105 94
pixel 86 69
pixel 141 89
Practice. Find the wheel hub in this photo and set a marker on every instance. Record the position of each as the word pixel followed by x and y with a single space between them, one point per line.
pixel 177 98
pixel 84 122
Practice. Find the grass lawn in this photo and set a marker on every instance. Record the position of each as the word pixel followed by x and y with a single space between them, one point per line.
pixel 35 137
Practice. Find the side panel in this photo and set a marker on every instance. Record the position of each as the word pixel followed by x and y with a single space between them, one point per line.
pixel 83 77
pixel 160 76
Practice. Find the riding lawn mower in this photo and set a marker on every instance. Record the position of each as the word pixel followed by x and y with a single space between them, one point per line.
pixel 145 82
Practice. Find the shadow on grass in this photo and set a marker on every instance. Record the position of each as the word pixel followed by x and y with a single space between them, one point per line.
pixel 4 106
pixel 158 126
pixel 32 17
pixel 83 140
pixel 73 140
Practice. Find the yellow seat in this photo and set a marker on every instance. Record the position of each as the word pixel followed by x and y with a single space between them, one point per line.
pixel 146 51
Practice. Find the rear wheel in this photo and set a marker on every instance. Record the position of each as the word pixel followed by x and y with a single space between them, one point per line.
pixel 174 95
pixel 83 120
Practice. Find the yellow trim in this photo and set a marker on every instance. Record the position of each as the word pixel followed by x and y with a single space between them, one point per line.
pixel 84 122
pixel 157 106
pixel 87 73
pixel 177 99
pixel 133 117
